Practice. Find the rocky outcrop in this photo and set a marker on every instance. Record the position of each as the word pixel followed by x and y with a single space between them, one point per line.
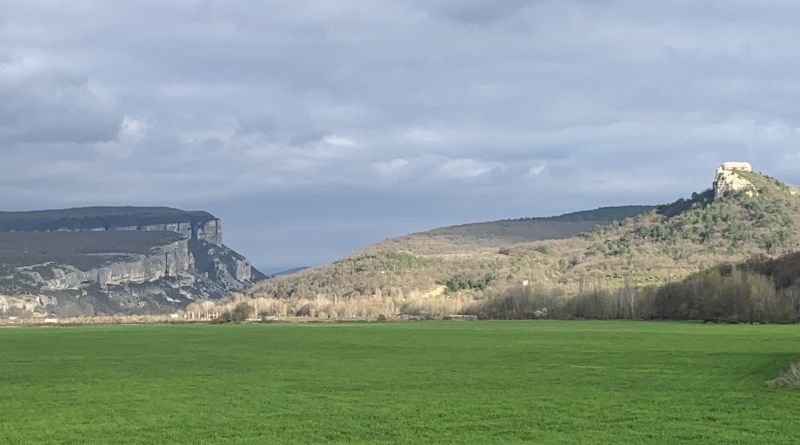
pixel 26 304
pixel 172 260
pixel 208 231
pixel 728 180
pixel 223 266
pixel 69 263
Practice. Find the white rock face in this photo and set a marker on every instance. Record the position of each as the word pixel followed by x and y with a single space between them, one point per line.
pixel 167 276
pixel 172 260
pixel 731 166
pixel 728 179
pixel 209 231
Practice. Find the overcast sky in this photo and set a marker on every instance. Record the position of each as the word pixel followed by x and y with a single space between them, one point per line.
pixel 315 127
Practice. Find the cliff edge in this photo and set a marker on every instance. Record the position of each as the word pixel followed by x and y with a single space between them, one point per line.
pixel 729 180
pixel 110 260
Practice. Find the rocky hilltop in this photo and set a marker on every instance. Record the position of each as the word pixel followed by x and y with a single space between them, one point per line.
pixel 109 260
pixel 728 180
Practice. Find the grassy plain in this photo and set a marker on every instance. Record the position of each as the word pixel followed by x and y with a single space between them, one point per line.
pixel 544 382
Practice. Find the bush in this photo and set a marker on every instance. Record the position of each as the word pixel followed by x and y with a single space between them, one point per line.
pixel 224 317
pixel 467 282
pixel 241 312
pixel 788 379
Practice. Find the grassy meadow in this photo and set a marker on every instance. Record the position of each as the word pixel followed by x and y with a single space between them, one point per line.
pixel 546 382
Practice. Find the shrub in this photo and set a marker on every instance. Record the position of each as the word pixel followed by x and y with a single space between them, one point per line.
pixel 467 282
pixel 241 312
pixel 788 379
pixel 224 317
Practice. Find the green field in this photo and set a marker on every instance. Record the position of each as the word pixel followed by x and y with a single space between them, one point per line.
pixel 432 382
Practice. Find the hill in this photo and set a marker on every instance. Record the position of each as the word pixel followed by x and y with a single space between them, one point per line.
pixel 468 237
pixel 416 262
pixel 442 272
pixel 107 260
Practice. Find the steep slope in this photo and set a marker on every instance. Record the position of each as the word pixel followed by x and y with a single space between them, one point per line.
pixel 107 260
pixel 724 224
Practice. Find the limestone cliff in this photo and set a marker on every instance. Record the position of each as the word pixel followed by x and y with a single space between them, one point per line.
pixel 170 260
pixel 114 260
pixel 728 180
pixel 208 231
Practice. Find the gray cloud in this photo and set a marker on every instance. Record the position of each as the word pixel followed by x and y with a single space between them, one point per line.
pixel 476 11
pixel 403 114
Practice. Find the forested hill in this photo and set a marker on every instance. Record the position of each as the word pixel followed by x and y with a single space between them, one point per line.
pixel 759 219
pixel 535 229
pixel 495 234
pixel 744 215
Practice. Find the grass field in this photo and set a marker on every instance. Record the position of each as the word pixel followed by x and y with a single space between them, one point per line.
pixel 437 382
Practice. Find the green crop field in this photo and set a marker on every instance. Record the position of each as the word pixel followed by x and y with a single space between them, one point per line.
pixel 432 382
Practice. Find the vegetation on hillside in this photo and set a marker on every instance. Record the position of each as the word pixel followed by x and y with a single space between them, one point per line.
pixel 759 290
pixel 417 263
pixel 739 223
pixel 467 238
pixel 467 282
pixel 615 270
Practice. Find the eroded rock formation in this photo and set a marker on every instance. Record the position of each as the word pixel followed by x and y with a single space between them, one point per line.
pixel 81 261
pixel 728 179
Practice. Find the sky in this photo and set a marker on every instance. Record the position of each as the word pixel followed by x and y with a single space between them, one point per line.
pixel 313 128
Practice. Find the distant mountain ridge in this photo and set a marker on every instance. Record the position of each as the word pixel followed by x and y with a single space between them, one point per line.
pixel 522 230
pixel 108 260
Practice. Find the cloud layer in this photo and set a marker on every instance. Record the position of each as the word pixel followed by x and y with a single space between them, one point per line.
pixel 324 125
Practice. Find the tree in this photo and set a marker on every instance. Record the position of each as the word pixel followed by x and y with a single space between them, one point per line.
pixel 241 312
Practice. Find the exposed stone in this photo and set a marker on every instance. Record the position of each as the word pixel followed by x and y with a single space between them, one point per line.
pixel 728 179
pixel 195 267
pixel 167 261
pixel 210 231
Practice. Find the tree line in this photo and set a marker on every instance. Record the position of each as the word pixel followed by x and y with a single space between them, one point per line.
pixel 758 291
